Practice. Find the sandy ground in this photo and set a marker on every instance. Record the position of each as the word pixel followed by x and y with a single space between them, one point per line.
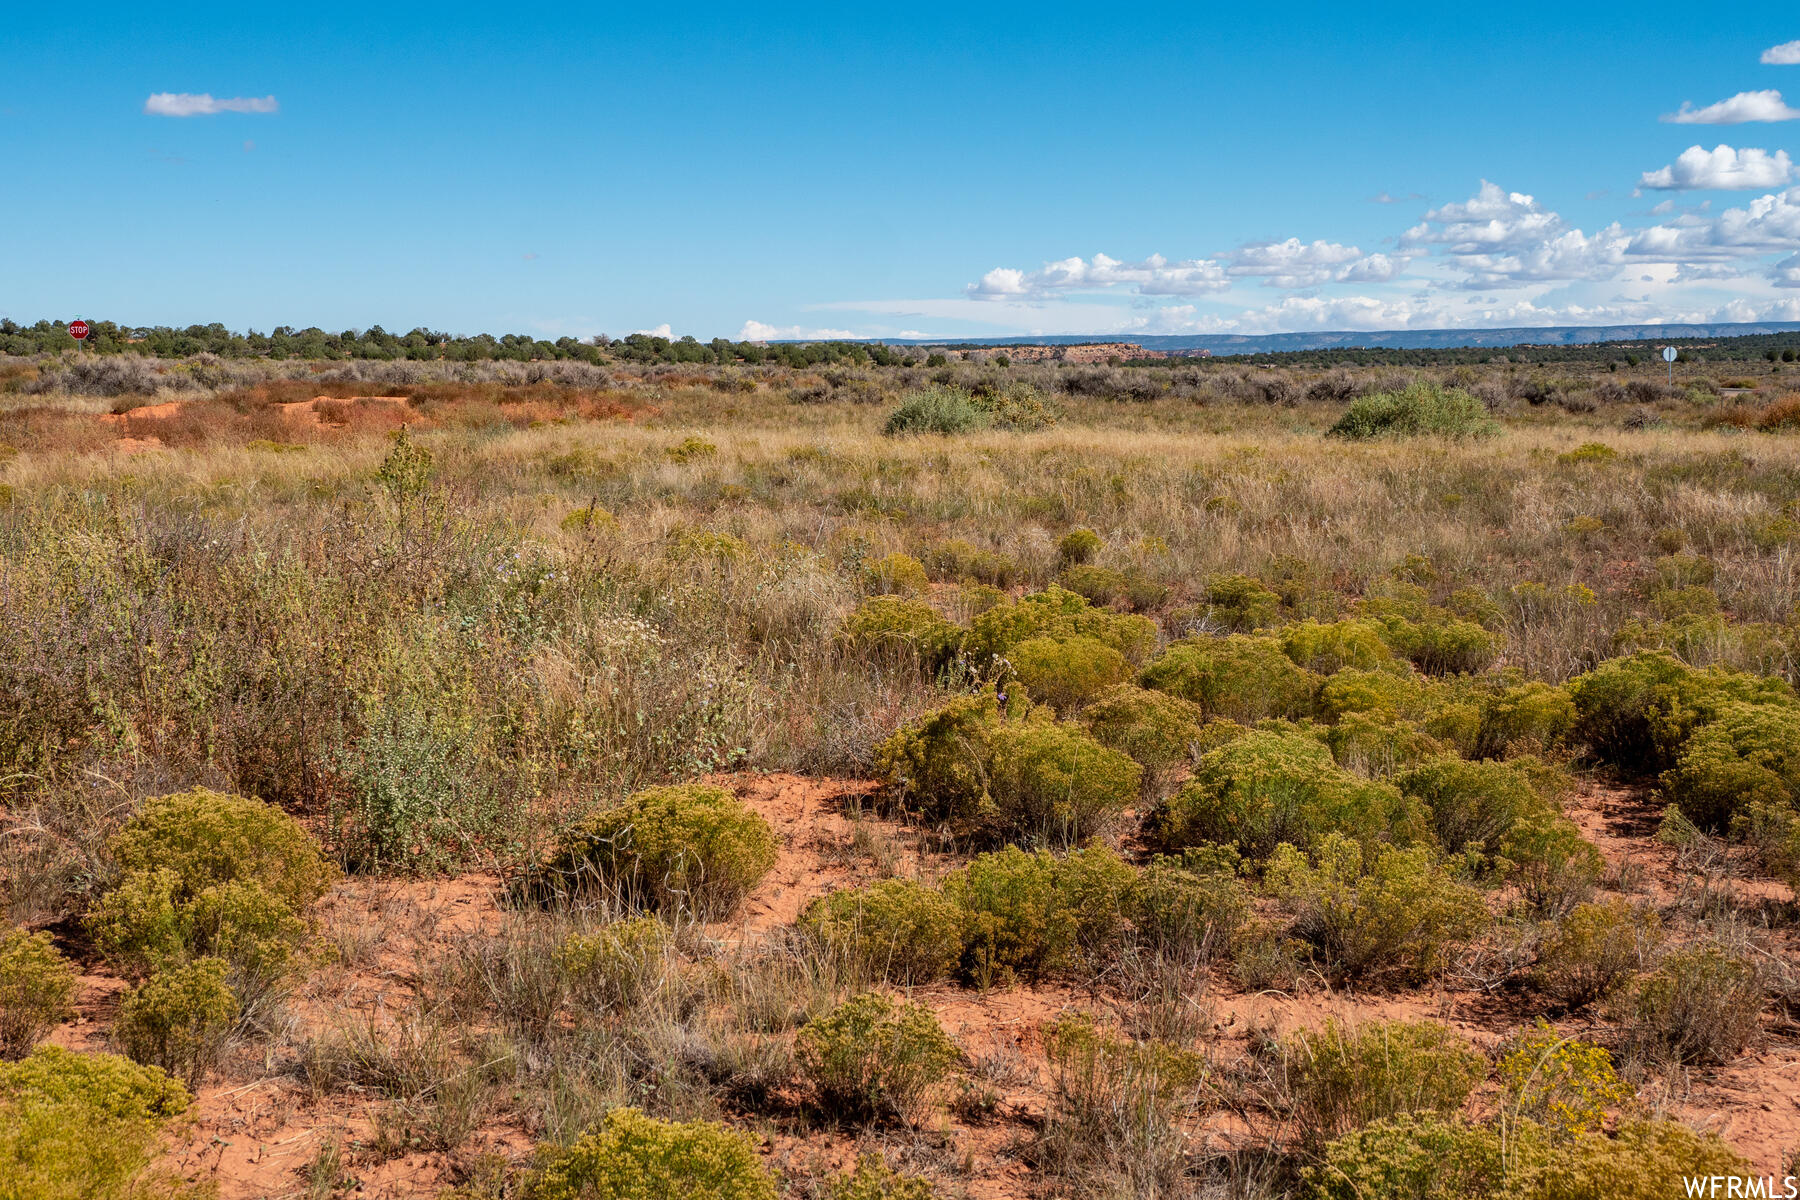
pixel 258 1125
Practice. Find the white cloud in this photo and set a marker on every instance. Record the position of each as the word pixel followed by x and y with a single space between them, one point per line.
pixel 661 331
pixel 202 104
pixel 1767 224
pixel 1721 169
pixel 1785 55
pixel 1786 273
pixel 757 331
pixel 1502 239
pixel 1292 263
pixel 1154 276
pixel 1745 106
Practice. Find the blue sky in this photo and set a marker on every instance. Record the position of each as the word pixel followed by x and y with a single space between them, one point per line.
pixel 957 170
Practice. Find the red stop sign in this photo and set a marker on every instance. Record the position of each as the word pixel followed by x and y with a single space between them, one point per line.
pixel 78 329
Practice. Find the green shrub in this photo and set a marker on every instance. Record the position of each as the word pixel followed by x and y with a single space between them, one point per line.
pixel 1099 889
pixel 957 559
pixel 939 762
pixel 1747 754
pixel 1078 546
pixel 211 876
pixel 617 965
pixel 1638 712
pixel 998 779
pixel 1421 408
pixel 937 409
pixel 37 990
pixel 1156 730
pixel 179 1019
pixel 1015 921
pixel 873 1179
pixel 1329 648
pixel 1050 781
pixel 896 573
pixel 1423 1157
pixel 1344 1077
pixel 1772 831
pixel 635 1157
pixel 895 627
pixel 690 448
pixel 1700 1005
pixel 1448 1158
pixel 1555 867
pixel 873 1057
pixel 1066 674
pixel 1240 603
pixel 1272 786
pixel 1647 1159
pixel 410 795
pixel 1188 907
pixel 1595 948
pixel 1442 644
pixel 1402 913
pixel 688 848
pixel 1394 694
pixel 1528 717
pixel 1239 678
pixel 85 1127
pixel 207 838
pixel 1057 613
pixel 1470 804
pixel 895 929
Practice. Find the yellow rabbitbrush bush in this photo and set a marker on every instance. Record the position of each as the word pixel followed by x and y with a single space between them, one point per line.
pixel 873 1179
pixel 894 627
pixel 1278 785
pixel 1056 613
pixel 995 778
pixel 207 875
pixel 86 1127
pixel 1595 948
pixel 896 929
pixel 1346 1076
pixel 635 1157
pixel 873 1057
pixel 691 848
pixel 1438 1157
pixel 1562 1083
pixel 1154 729
pixel 617 964
pixel 37 990
pixel 179 1019
pixel 1397 911
pixel 1068 673
pixel 1239 678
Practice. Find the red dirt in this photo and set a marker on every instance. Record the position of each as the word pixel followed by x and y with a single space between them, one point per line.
pixel 257 1124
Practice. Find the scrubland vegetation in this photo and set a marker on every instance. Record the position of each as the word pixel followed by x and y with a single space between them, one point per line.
pixel 581 779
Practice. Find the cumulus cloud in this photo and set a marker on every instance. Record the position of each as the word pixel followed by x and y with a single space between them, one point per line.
pixel 1292 263
pixel 1765 225
pixel 1745 106
pixel 1154 276
pixel 1721 169
pixel 203 104
pixel 1785 55
pixel 661 331
pixel 757 331
pixel 1500 239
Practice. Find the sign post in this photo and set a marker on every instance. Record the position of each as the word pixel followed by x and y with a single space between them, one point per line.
pixel 1669 356
pixel 78 329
